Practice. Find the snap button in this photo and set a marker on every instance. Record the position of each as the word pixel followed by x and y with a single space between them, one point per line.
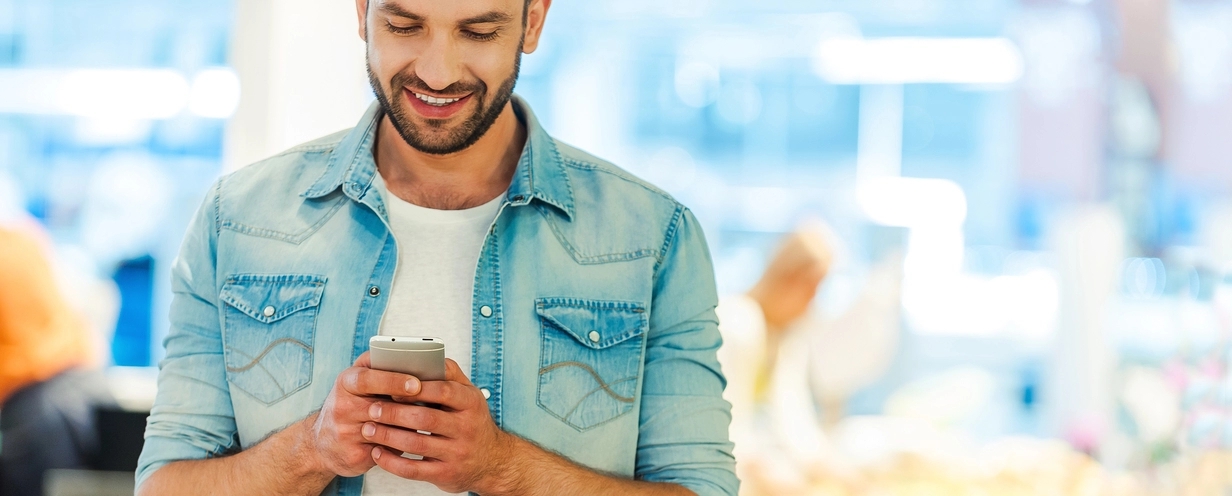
pixel 486 394
pixel 594 336
pixel 268 312
pixel 485 311
pixel 374 291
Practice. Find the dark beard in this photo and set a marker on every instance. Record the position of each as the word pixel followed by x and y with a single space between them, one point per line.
pixel 467 133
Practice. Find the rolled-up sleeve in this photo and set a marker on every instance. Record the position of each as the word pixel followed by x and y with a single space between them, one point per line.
pixel 192 417
pixel 683 436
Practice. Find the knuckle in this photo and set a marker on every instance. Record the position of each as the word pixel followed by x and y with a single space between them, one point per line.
pixel 410 471
pixel 381 434
pixel 425 421
pixel 414 443
pixel 363 377
pixel 344 379
pixel 449 390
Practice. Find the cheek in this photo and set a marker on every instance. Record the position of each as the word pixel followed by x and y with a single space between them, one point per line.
pixel 388 57
pixel 491 65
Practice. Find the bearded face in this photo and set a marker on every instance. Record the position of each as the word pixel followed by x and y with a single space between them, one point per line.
pixel 444 71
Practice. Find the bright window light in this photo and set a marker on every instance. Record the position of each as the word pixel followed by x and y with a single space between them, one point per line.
pixel 116 95
pixel 127 94
pixel 918 60
pixel 29 91
pixel 215 93
pixel 913 202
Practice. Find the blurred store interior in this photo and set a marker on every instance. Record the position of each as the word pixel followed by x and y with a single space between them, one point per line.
pixel 1024 207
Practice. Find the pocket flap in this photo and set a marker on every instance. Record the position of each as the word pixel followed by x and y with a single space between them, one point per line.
pixel 269 298
pixel 594 324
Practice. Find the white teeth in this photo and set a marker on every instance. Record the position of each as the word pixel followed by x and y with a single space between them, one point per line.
pixel 436 102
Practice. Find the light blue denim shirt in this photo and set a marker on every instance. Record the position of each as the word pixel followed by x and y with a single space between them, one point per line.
pixel 593 317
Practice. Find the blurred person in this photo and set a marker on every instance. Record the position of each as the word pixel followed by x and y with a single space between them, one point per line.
pixel 783 359
pixel 753 325
pixel 49 387
pixel 577 302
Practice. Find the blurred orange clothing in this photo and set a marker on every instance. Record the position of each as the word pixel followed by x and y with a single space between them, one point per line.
pixel 40 335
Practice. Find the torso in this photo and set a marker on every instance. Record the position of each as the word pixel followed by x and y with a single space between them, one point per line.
pixel 432 291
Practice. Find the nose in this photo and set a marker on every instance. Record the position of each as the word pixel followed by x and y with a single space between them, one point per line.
pixel 438 66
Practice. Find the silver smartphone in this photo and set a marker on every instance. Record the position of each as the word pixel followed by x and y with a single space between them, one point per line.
pixel 422 357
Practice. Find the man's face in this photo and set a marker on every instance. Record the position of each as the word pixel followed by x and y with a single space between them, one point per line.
pixel 444 70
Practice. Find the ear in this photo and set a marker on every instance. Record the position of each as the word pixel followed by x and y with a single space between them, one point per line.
pixel 536 14
pixel 361 8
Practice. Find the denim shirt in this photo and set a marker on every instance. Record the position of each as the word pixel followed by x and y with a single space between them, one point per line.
pixel 593 317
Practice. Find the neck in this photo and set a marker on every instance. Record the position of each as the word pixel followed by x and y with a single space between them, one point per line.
pixel 465 179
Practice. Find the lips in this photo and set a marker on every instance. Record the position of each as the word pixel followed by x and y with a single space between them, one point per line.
pixel 433 107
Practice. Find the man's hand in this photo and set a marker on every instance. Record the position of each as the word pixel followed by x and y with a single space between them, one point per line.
pixel 304 457
pixel 466 448
pixel 335 433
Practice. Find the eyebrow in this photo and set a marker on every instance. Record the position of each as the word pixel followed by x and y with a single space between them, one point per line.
pixel 396 10
pixel 490 17
pixel 485 18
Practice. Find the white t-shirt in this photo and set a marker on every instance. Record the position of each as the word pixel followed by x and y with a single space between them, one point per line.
pixel 438 251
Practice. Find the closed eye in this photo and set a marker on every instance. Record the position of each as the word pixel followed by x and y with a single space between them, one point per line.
pixel 478 36
pixel 402 30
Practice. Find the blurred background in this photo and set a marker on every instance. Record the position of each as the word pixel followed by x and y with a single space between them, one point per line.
pixel 1008 222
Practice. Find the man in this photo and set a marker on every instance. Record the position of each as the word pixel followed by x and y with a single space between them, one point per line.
pixel 582 342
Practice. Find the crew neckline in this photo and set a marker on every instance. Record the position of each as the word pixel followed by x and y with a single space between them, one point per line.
pixel 419 213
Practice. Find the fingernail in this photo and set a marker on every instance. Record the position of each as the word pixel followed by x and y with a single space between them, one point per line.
pixel 376 453
pixel 412 385
pixel 374 411
pixel 369 430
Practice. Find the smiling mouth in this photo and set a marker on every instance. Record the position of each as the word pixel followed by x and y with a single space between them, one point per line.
pixel 434 101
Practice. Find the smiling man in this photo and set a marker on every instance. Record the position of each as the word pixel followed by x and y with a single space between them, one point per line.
pixel 576 301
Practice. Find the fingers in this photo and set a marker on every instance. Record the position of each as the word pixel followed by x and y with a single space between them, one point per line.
pixel 412 417
pixel 454 373
pixel 449 394
pixel 363 381
pixel 364 360
pixel 430 446
pixel 406 468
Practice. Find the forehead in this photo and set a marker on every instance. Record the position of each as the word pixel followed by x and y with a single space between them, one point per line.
pixel 448 10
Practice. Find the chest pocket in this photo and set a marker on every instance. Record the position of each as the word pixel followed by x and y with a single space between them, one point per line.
pixel 269 322
pixel 590 360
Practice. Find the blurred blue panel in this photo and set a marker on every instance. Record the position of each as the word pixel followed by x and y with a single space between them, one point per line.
pixel 131 344
pixel 824 119
pixel 940 124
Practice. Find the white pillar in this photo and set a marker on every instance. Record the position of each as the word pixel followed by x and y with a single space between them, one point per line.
pixel 301 69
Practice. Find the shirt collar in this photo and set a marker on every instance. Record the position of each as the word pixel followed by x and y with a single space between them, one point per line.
pixel 540 173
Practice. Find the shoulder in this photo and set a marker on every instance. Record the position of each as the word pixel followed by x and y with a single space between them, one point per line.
pixel 617 214
pixel 264 198
pixel 290 172
pixel 595 172
pixel 589 174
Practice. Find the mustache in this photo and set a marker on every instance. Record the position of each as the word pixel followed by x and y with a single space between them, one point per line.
pixel 411 81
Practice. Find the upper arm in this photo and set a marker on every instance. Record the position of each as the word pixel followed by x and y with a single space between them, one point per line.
pixel 683 434
pixel 192 416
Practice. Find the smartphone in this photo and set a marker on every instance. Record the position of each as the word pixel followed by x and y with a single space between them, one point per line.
pixel 422 357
